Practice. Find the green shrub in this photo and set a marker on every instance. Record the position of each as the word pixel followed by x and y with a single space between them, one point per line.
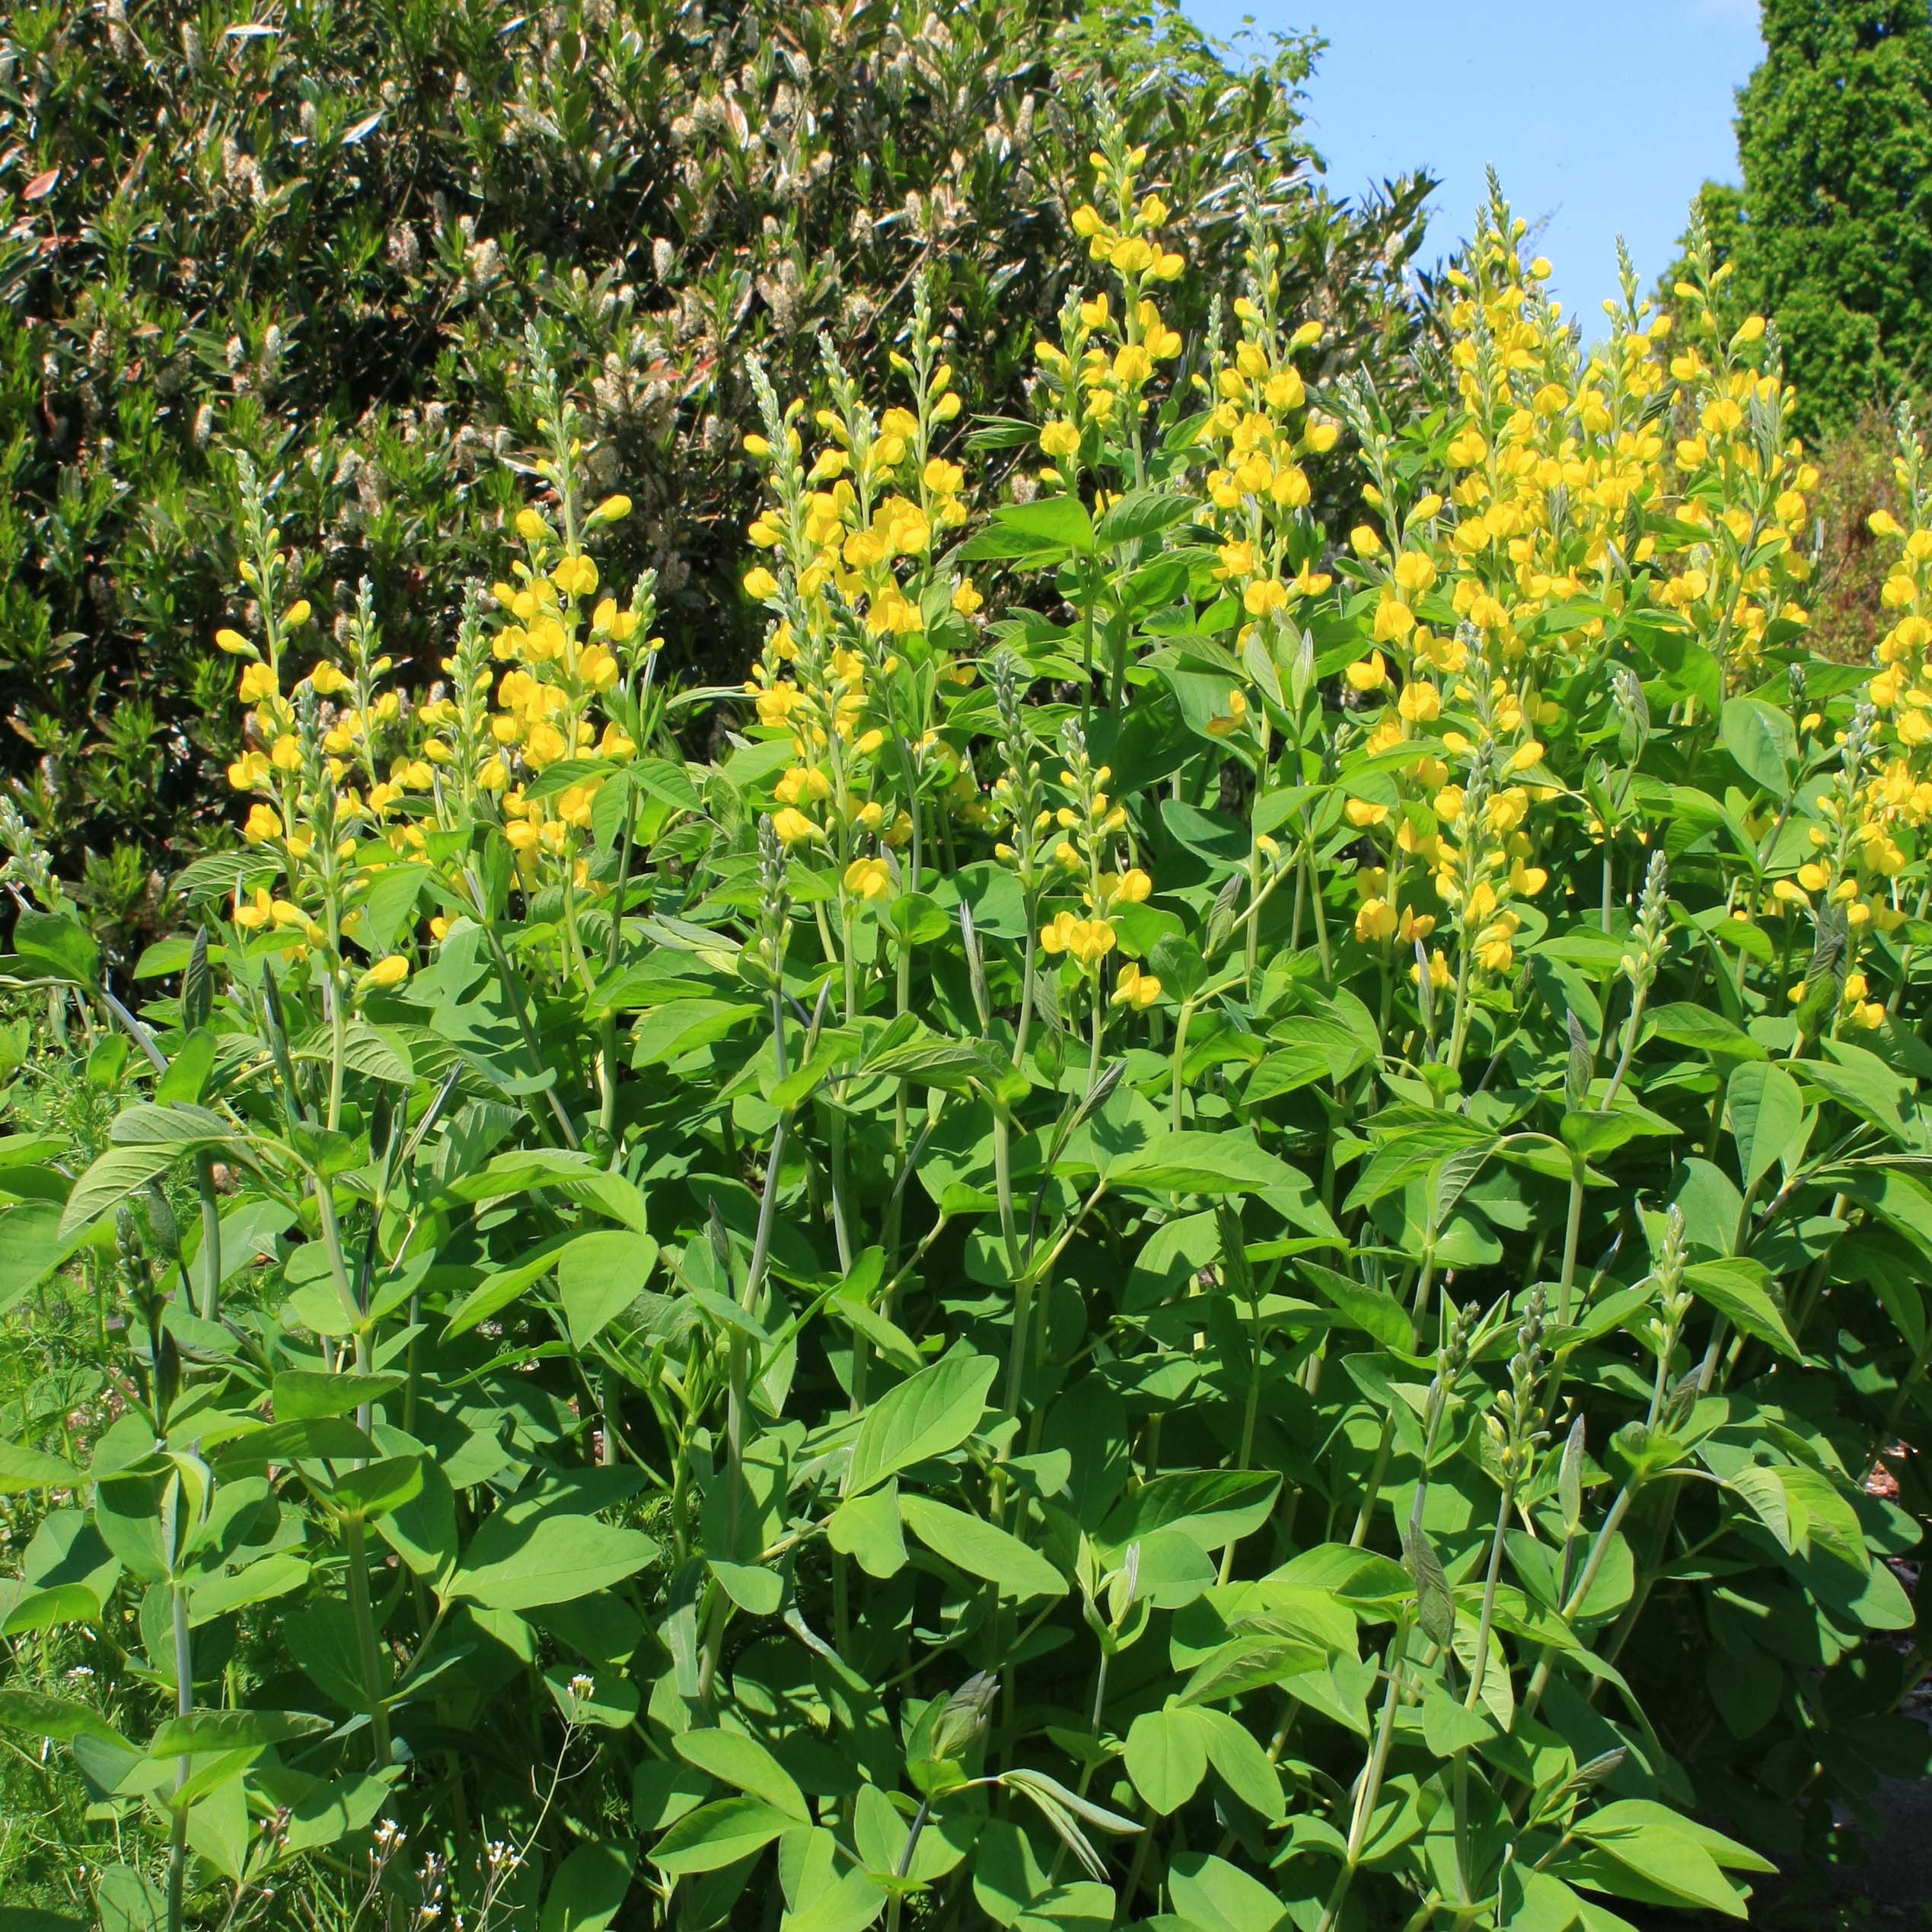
pixel 1226 1250
pixel 317 242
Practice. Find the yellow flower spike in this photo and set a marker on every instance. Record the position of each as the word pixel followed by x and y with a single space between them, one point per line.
pixel 386 973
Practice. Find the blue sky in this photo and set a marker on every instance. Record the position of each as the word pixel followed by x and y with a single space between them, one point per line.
pixel 1601 119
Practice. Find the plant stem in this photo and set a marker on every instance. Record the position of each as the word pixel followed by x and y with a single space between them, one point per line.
pixel 355 1551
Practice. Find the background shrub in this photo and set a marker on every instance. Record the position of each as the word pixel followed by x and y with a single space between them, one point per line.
pixel 320 242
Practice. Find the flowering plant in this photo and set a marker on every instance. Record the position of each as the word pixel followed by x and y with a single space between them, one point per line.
pixel 1222 1228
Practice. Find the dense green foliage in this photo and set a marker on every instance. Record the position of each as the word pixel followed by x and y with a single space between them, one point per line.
pixel 316 237
pixel 1215 1232
pixel 1832 235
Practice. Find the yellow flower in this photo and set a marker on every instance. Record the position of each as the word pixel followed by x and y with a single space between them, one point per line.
pixel 1369 675
pixel 1264 597
pixel 530 526
pixel 613 509
pixel 251 915
pixel 1059 439
pixel 264 823
pixel 966 599
pixel 793 827
pixel 1376 921
pixel 1089 941
pixel 869 879
pixel 1136 989
pixel 760 583
pixel 1420 703
pixel 384 973
pixel 299 613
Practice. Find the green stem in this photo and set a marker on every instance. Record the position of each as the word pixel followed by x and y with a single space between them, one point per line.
pixel 355 1551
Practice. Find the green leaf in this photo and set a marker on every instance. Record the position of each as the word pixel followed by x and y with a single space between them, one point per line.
pixel 866 1528
pixel 1377 1315
pixel 598 1276
pixel 735 1759
pixel 112 1176
pixel 44 1610
pixel 23 1468
pixel 1167 1756
pixel 1195 1163
pixel 718 1834
pixel 1048 526
pixel 300 1395
pixel 849 1903
pixel 1209 1894
pixel 522 1563
pixel 589 1890
pixel 129 1901
pixel 981 1549
pixel 1763 741
pixel 1242 1765
pixel 1702 1030
pixel 927 1415
pixel 231 1730
pixel 1141 513
pixel 1740 1289
pixel 61 1719
pixel 1448 1726
pixel 1765 1110
pixel 1209 1507
pixel 56 943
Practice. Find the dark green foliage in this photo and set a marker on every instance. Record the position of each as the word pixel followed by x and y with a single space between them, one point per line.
pixel 1832 237
pixel 327 233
